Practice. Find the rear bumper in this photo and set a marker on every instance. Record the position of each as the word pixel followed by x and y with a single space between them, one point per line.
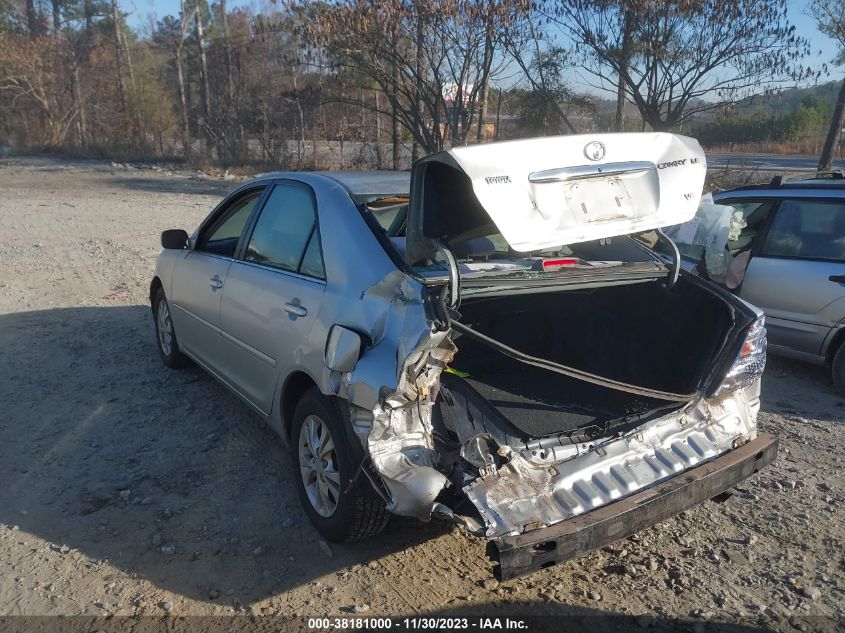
pixel 530 551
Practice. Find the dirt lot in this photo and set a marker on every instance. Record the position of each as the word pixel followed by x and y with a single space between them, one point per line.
pixel 128 489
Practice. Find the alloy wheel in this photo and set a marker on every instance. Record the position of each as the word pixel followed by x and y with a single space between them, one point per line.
pixel 165 331
pixel 318 466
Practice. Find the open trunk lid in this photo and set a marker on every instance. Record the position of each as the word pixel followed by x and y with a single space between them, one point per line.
pixel 547 192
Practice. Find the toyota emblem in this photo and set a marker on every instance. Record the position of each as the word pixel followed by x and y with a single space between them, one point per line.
pixel 594 151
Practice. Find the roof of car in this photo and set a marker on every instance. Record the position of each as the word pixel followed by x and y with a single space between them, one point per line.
pixel 361 184
pixel 832 181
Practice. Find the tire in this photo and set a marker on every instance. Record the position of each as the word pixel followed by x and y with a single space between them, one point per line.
pixel 838 369
pixel 166 343
pixel 340 513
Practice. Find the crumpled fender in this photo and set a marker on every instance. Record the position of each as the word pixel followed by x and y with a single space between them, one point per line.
pixel 391 392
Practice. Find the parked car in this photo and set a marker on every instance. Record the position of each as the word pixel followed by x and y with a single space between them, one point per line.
pixel 482 342
pixel 794 242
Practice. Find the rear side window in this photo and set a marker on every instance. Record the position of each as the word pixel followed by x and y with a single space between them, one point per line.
pixel 286 235
pixel 312 260
pixel 807 229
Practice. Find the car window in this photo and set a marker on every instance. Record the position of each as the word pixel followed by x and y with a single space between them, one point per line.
pixel 748 209
pixel 312 260
pixel 390 213
pixel 387 216
pixel 282 237
pixel 222 236
pixel 810 229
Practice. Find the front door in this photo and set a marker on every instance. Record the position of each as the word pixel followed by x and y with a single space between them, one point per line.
pixel 797 275
pixel 199 279
pixel 273 295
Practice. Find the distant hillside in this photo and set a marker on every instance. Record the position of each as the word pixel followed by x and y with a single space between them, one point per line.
pixel 786 100
pixel 778 103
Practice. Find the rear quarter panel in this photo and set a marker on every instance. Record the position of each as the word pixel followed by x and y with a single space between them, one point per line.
pixel 354 262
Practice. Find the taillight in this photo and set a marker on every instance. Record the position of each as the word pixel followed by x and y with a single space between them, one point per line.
pixel 546 265
pixel 750 362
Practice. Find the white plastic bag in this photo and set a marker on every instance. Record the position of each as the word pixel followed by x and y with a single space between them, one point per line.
pixel 711 228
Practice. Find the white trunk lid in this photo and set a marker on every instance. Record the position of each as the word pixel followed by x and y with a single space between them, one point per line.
pixel 546 192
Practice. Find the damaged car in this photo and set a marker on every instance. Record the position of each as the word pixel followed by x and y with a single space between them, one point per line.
pixel 489 341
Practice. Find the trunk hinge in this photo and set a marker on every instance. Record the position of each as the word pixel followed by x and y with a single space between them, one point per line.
pixel 571 372
pixel 454 275
pixel 672 279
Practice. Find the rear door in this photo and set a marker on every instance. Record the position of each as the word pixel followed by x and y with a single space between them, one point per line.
pixel 273 293
pixel 199 277
pixel 797 273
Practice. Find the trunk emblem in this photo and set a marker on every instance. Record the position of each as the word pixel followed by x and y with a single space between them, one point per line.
pixel 594 150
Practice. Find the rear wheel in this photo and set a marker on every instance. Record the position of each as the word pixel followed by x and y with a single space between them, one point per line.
pixel 838 369
pixel 324 466
pixel 168 349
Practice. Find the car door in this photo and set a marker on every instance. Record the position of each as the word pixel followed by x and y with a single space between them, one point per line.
pixel 200 276
pixel 273 293
pixel 797 273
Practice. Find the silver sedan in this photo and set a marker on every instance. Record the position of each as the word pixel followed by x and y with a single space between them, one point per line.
pixel 482 343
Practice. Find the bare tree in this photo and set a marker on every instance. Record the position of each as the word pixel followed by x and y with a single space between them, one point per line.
pixel 31 19
pixel 830 15
pixel 542 65
pixel 227 45
pixel 28 74
pixel 486 66
pixel 679 57
pixel 118 58
pixel 432 72
pixel 205 90
pixel 57 15
pixel 172 32
pixel 625 54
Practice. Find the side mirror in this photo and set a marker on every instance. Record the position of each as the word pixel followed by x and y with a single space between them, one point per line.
pixel 342 349
pixel 175 239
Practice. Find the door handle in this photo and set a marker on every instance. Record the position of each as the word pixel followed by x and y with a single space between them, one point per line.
pixel 216 283
pixel 294 309
pixel 840 279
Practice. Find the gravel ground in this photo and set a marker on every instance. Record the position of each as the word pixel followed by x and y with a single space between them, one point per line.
pixel 129 489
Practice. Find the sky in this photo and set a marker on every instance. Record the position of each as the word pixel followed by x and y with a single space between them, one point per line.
pixel 143 12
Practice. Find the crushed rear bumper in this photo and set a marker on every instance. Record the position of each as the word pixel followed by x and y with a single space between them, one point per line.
pixel 530 551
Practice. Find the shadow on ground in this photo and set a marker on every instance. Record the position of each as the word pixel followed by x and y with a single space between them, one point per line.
pixel 160 472
pixel 168 477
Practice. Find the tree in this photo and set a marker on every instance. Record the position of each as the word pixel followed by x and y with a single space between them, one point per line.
pixel 676 58
pixel 171 33
pixel 830 15
pixel 434 65
pixel 542 66
pixel 205 90
pixel 28 74
pixel 31 19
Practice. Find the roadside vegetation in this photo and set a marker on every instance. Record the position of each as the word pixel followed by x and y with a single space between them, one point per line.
pixel 800 130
